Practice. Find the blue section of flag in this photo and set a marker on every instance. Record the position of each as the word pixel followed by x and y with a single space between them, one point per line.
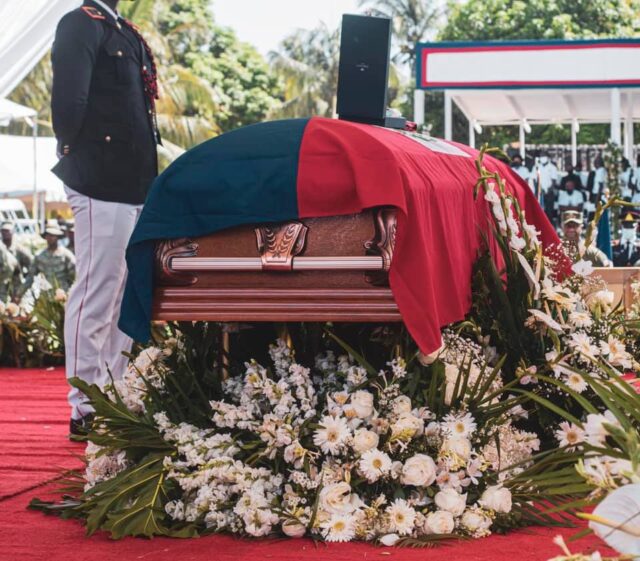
pixel 603 240
pixel 245 176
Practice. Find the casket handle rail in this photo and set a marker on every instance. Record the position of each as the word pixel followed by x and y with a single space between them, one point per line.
pixel 279 248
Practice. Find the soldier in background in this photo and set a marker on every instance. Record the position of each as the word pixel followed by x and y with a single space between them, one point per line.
pixel 21 253
pixel 9 268
pixel 574 245
pixel 56 263
pixel 626 251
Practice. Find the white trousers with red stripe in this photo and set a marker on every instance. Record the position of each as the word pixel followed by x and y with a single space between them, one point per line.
pixel 93 342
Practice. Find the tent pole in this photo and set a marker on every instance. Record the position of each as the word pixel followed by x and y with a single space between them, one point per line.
pixel 418 107
pixel 34 209
pixel 472 134
pixel 616 119
pixel 628 128
pixel 448 116
pixel 574 143
pixel 522 140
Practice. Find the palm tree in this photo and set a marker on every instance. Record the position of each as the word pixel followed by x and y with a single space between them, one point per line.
pixel 413 20
pixel 307 63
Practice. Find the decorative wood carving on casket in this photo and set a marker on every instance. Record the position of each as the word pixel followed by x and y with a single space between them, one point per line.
pixel 383 244
pixel 333 268
pixel 166 275
pixel 278 244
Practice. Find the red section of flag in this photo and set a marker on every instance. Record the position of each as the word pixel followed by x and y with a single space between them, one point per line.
pixel 346 167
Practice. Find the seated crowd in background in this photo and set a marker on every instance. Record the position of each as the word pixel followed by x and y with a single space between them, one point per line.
pixel 572 198
pixel 20 264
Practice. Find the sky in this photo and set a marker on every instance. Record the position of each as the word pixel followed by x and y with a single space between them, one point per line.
pixel 264 23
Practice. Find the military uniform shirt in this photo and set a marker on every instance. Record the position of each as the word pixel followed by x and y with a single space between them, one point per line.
pixel 58 267
pixel 23 255
pixel 8 267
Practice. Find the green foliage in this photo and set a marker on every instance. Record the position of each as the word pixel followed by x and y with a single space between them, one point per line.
pixel 482 20
pixel 241 82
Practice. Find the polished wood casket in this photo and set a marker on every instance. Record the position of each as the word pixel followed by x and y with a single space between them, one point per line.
pixel 318 269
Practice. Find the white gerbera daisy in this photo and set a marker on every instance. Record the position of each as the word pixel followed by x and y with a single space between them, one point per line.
pixel 569 434
pixel 402 517
pixel 339 528
pixel 374 464
pixel 580 319
pixel 581 342
pixel 576 382
pixel 458 425
pixel 332 435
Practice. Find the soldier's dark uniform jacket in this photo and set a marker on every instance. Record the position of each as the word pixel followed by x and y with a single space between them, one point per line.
pixel 102 106
pixel 626 254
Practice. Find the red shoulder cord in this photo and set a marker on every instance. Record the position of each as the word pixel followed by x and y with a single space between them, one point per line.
pixel 149 74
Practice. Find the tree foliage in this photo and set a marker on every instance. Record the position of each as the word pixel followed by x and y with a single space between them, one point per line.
pixel 480 20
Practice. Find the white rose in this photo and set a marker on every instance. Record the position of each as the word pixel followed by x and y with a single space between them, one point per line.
pixel 337 498
pixel 362 402
pixel 402 405
pixel 451 501
pixel 496 498
pixel 459 446
pixel 60 295
pixel 364 440
pixel 407 425
pixel 475 521
pixel 293 529
pixel 419 470
pixel 440 522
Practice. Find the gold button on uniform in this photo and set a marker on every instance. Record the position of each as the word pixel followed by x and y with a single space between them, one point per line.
pixel 107 139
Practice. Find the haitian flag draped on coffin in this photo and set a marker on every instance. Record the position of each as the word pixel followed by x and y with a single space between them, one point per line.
pixel 303 168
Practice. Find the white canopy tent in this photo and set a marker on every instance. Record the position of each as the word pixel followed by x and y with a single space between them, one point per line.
pixel 524 83
pixel 27 28
pixel 17 168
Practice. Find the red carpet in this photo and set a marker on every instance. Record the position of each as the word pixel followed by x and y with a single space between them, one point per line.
pixel 33 448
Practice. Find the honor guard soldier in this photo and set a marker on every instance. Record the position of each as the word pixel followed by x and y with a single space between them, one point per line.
pixel 103 110
pixel 626 252
pixel 56 263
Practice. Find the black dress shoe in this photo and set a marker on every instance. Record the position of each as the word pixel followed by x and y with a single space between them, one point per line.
pixel 80 427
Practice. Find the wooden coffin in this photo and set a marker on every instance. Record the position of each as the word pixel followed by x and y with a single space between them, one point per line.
pixel 319 269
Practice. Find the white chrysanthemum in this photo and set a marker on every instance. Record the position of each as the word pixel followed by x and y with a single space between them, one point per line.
pixel 576 382
pixel 339 528
pixel 457 425
pixel 374 464
pixel 402 517
pixel 333 434
pixel 569 434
